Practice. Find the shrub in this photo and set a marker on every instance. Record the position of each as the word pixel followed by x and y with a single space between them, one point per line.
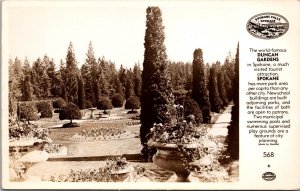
pixel 28 111
pixel 88 104
pixel 190 107
pixel 104 104
pixel 74 124
pixel 70 111
pixel 132 103
pixel 117 100
pixel 59 103
pixel 45 108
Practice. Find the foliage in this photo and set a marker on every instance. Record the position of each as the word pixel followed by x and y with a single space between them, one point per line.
pixel 104 103
pixel 99 133
pixel 40 79
pixel 221 84
pixel 199 89
pixel 214 96
pixel 137 79
pixel 17 169
pixel 52 148
pixel 133 122
pixel 59 103
pixel 88 104
pixel 81 93
pixel 199 151
pixel 15 74
pixel 27 131
pixel 70 111
pixel 117 100
pixel 190 107
pixel 129 91
pixel 45 108
pixel 103 174
pixel 233 128
pixel 132 103
pixel 157 99
pixel 26 86
pixel 71 124
pixel 28 111
pixel 71 82
pixel 89 72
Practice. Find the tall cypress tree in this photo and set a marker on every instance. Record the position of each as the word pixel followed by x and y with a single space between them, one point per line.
pixel 156 97
pixel 71 76
pixel 199 89
pixel 221 84
pixel 214 96
pixel 137 78
pixel 233 128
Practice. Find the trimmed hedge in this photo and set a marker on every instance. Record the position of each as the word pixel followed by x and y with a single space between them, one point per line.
pixel 117 100
pixel 59 103
pixel 104 104
pixel 28 111
pixel 70 111
pixel 190 107
pixel 88 104
pixel 45 108
pixel 132 103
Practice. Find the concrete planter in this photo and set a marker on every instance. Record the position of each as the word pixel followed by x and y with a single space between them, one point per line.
pixel 169 157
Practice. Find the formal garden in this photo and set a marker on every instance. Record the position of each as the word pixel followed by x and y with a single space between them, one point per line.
pixel 165 122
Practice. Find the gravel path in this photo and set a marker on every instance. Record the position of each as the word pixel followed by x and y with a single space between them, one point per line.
pixel 220 126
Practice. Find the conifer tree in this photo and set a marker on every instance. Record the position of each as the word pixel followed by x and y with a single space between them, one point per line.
pixel 199 89
pixel 102 77
pixel 221 84
pixel 122 75
pixel 89 72
pixel 233 128
pixel 129 91
pixel 81 93
pixel 26 87
pixel 71 76
pixel 157 99
pixel 52 78
pixel 137 79
pixel 63 77
pixel 214 97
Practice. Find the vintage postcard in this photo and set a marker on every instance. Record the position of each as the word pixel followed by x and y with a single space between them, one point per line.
pixel 187 95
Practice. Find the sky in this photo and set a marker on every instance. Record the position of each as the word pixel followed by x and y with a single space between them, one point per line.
pixel 117 29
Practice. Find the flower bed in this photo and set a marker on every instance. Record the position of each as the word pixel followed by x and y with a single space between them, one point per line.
pixel 102 134
pixel 28 131
pixel 133 122
pixel 115 170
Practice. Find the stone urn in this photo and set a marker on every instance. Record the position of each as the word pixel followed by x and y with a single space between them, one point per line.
pixel 169 157
pixel 123 175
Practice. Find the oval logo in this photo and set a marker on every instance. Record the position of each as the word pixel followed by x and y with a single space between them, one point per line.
pixel 267 25
pixel 268 176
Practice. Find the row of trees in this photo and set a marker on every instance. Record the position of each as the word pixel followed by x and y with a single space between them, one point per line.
pixel 95 79
pixel 41 80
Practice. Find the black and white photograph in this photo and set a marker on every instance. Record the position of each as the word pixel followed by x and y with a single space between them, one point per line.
pixel 123 92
